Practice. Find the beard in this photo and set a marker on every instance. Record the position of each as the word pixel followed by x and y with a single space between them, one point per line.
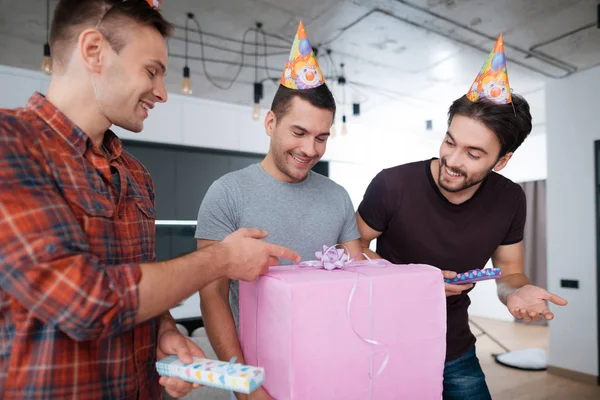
pixel 284 166
pixel 283 161
pixel 467 180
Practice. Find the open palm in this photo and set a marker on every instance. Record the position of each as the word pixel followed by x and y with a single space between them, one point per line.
pixel 529 303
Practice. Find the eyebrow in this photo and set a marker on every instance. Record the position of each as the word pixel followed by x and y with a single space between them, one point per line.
pixel 468 147
pixel 304 130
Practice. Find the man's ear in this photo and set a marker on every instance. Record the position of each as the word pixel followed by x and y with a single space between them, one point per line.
pixel 270 122
pixel 501 163
pixel 90 46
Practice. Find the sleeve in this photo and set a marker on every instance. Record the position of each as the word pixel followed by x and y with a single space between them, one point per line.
pixel 374 209
pixel 45 260
pixel 217 216
pixel 349 230
pixel 517 227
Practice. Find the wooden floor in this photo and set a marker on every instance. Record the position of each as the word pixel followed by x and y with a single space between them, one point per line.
pixel 511 384
pixel 504 383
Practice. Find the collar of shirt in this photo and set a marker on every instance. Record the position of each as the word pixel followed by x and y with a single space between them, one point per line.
pixel 70 132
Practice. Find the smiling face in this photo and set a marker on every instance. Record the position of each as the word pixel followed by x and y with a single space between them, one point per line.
pixel 130 82
pixel 298 138
pixel 468 154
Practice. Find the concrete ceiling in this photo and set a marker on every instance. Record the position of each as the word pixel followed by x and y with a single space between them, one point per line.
pixel 405 61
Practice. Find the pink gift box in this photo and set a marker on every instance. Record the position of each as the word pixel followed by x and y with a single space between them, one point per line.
pixel 296 323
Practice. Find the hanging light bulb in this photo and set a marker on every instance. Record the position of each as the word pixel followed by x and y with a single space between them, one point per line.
pixel 344 126
pixel 333 130
pixel 258 86
pixel 256 112
pixel 47 60
pixel 258 94
pixel 186 84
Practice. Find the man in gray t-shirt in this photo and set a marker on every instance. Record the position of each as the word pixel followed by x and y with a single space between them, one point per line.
pixel 299 209
pixel 302 216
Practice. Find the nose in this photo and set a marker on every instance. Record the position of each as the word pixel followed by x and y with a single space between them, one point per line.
pixel 160 91
pixel 310 76
pixel 453 160
pixel 496 92
pixel 309 148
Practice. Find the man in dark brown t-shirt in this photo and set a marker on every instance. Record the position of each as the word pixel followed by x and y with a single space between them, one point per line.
pixel 456 213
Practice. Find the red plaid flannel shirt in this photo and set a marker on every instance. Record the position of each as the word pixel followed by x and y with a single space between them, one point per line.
pixel 70 248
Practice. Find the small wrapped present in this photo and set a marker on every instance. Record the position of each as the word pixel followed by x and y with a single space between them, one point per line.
pixel 222 375
pixel 475 275
pixel 341 329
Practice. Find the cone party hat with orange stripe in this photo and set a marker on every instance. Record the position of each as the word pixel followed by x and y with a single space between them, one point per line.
pixel 154 3
pixel 302 70
pixel 492 82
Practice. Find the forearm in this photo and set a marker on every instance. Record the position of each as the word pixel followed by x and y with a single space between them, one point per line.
pixel 166 322
pixel 366 250
pixel 370 253
pixel 220 328
pixel 507 285
pixel 177 279
pixel 365 243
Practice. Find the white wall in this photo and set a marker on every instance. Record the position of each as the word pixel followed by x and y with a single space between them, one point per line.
pixel 530 161
pixel 573 124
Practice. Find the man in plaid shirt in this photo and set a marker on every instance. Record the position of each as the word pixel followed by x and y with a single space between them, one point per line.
pixel 83 304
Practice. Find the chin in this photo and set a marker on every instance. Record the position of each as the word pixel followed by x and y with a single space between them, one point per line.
pixel 135 128
pixel 450 188
pixel 297 175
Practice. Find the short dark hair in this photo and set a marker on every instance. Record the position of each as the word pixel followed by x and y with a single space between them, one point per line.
pixel 320 97
pixel 510 122
pixel 71 17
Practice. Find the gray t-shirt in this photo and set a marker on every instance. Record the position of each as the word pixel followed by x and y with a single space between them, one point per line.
pixel 302 216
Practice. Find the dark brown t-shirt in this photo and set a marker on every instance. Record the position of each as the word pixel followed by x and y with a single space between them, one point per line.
pixel 419 225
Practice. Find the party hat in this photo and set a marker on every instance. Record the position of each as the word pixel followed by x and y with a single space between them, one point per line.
pixel 492 81
pixel 302 69
pixel 154 3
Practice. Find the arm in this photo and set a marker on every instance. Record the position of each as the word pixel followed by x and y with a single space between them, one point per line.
pixel 374 212
pixel 523 300
pixel 183 276
pixel 367 234
pixel 349 235
pixel 217 218
pixel 354 248
pixel 510 260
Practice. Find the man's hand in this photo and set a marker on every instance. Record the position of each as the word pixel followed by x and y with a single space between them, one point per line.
pixel 248 257
pixel 453 289
pixel 529 303
pixel 171 341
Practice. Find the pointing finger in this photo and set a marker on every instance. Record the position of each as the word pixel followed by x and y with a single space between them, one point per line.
pixel 280 251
